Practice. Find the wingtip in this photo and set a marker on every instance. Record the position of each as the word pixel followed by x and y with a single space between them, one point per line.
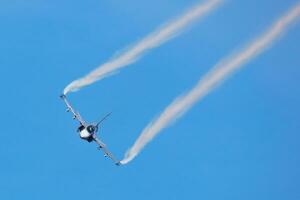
pixel 62 96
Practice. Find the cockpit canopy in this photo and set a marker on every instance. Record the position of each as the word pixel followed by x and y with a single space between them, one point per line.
pixel 91 129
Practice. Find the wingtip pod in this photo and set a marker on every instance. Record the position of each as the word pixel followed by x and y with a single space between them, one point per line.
pixel 63 96
pixel 118 163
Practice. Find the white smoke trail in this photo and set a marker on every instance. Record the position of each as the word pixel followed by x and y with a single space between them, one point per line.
pixel 210 81
pixel 153 40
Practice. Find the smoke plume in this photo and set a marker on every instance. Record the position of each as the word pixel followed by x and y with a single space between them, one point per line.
pixel 151 41
pixel 205 85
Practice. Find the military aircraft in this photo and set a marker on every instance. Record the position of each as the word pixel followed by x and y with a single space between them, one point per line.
pixel 88 131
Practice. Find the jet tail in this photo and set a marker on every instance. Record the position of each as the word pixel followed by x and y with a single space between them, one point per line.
pixel 104 118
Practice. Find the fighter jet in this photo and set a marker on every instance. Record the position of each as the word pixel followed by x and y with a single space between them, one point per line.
pixel 88 131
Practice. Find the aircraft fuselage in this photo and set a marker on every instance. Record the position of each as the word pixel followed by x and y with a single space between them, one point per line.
pixel 87 133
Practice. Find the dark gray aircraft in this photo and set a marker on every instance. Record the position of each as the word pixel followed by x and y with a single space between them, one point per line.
pixel 88 131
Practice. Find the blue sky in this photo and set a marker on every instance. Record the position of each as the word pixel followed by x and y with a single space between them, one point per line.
pixel 240 142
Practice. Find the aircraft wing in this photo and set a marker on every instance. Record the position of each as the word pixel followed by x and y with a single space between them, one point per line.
pixel 105 150
pixel 70 109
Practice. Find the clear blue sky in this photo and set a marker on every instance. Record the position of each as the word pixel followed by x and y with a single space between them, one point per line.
pixel 241 142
